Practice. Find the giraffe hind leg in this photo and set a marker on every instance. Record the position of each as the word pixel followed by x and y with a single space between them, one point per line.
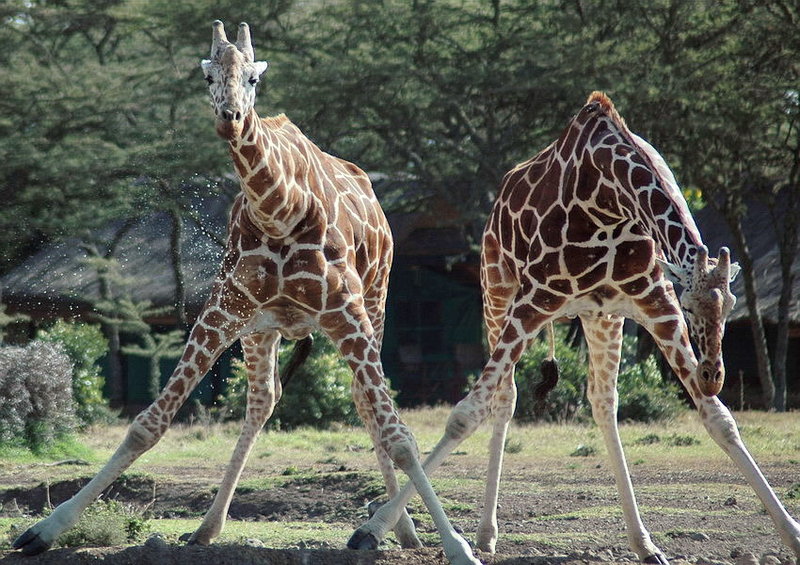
pixel 463 421
pixel 354 336
pixel 404 529
pixel 604 340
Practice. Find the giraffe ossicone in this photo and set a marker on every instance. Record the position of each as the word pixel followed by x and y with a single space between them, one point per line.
pixel 589 228
pixel 308 248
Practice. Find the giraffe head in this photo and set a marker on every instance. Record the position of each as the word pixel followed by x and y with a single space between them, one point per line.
pixel 706 301
pixel 232 75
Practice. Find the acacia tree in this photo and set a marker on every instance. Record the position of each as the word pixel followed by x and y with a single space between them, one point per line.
pixel 103 113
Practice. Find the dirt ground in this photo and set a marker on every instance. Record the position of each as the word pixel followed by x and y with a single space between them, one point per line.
pixel 701 513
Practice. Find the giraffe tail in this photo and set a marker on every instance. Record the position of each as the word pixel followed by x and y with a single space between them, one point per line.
pixel 300 353
pixel 548 369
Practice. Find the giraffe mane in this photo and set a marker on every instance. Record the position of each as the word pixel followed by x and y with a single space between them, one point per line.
pixel 607 107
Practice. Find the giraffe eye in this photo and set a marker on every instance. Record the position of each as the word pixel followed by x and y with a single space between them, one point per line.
pixel 253 81
pixel 209 80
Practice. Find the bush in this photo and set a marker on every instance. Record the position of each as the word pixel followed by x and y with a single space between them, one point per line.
pixel 106 523
pixel 318 394
pixel 85 345
pixel 36 388
pixel 567 401
pixel 644 395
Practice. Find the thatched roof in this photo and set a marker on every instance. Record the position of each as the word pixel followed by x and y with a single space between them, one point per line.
pixel 759 228
pixel 57 281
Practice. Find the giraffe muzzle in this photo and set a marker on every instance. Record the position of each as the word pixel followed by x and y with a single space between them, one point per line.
pixel 711 377
pixel 229 124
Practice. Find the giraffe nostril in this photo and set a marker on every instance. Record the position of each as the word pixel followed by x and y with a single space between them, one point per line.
pixel 231 115
pixel 711 375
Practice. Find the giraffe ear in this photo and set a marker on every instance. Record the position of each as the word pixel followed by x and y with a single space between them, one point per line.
pixel 205 64
pixel 674 273
pixel 735 270
pixel 260 67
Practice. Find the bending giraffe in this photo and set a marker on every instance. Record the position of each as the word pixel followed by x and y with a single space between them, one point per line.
pixel 308 248
pixel 593 226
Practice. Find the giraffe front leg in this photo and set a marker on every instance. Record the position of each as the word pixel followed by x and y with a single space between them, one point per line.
pixel 264 391
pixel 604 339
pixel 464 419
pixel 720 424
pixel 672 338
pixel 202 349
pixel 42 535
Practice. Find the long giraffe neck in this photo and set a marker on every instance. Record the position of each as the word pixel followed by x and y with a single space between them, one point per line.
pixel 269 163
pixel 636 181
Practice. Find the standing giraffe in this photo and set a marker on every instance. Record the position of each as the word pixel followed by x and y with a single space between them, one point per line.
pixel 308 248
pixel 591 227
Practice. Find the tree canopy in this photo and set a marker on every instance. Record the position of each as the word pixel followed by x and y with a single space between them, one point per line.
pixel 103 113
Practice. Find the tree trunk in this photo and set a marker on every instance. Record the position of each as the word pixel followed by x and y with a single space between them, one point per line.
pixel 177 267
pixel 782 338
pixel 788 238
pixel 116 377
pixel 756 324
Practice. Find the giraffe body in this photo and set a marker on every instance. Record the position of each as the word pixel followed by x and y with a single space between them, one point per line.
pixel 591 227
pixel 308 248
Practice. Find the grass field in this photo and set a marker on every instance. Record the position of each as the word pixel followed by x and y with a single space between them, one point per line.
pixel 557 491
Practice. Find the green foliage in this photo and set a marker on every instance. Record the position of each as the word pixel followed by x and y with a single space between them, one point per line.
pixel 644 395
pixel 85 346
pixel 584 451
pixel 793 492
pixel 106 523
pixel 318 394
pixel 36 388
pixel 567 401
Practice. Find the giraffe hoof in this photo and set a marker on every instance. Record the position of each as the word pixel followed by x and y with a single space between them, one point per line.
pixel 656 559
pixel 30 543
pixel 191 539
pixel 362 538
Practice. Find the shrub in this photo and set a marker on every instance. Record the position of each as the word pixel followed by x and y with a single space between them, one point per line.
pixel 106 523
pixel 567 401
pixel 318 394
pixel 36 388
pixel 644 395
pixel 85 345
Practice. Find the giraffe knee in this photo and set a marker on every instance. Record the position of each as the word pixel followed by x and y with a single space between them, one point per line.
pixel 720 424
pixel 139 438
pixel 403 453
pixel 461 423
pixel 503 405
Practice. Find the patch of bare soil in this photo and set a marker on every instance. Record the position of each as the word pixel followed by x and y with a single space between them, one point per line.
pixel 542 512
